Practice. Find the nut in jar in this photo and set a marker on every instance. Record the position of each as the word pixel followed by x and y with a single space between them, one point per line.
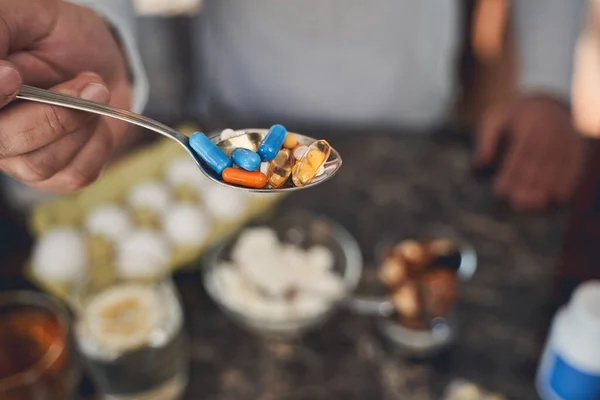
pixel 421 277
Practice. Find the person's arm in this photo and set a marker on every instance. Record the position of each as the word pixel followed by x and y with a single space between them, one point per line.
pixel 120 15
pixel 585 92
pixel 543 157
pixel 547 32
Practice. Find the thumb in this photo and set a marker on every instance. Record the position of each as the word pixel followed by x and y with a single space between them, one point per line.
pixel 488 134
pixel 10 82
pixel 29 126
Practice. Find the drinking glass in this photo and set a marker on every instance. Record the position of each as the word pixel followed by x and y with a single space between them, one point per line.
pixel 36 361
pixel 130 333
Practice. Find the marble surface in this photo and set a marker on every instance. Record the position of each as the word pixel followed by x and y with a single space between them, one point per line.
pixel 401 183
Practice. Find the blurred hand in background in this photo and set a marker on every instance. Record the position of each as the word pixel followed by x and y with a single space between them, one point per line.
pixel 543 157
pixel 529 139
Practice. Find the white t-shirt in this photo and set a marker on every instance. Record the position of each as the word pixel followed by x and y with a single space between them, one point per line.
pixel 335 62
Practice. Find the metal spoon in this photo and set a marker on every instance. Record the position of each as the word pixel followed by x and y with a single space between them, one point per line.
pixel 249 138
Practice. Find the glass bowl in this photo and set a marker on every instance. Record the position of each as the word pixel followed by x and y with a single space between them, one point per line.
pixel 304 230
pixel 441 331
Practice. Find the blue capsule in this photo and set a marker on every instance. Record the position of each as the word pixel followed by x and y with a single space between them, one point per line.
pixel 245 159
pixel 272 142
pixel 210 152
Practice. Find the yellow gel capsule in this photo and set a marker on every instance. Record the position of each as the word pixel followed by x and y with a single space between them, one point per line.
pixel 308 166
pixel 280 168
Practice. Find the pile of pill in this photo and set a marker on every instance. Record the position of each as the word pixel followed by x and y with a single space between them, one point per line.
pixel 278 158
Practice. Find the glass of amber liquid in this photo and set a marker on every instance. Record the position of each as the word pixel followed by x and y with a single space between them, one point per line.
pixel 35 358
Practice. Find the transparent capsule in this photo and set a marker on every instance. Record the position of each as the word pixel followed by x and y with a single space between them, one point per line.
pixel 280 168
pixel 308 166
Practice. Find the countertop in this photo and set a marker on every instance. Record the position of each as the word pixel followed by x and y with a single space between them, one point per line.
pixel 401 183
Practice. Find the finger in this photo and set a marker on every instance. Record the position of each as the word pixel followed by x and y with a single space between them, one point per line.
pixel 541 171
pixel 569 168
pixel 531 190
pixel 530 175
pixel 526 199
pixel 40 63
pixel 508 178
pixel 518 156
pixel 87 165
pixel 37 72
pixel 10 82
pixel 42 164
pixel 25 23
pixel 488 135
pixel 30 126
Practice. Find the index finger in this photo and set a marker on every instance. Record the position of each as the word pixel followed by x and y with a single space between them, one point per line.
pixel 518 156
pixel 27 126
pixel 488 135
pixel 10 82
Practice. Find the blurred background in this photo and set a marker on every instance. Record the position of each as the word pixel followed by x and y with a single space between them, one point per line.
pixel 405 277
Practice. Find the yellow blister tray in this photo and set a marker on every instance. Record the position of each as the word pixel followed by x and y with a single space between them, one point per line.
pixel 148 163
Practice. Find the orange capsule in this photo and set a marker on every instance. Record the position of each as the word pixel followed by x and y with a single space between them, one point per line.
pixel 241 177
pixel 290 141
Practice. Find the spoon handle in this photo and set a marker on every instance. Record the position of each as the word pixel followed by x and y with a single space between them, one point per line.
pixel 57 99
pixel 375 306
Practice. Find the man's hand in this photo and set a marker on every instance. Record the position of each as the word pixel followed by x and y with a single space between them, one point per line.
pixel 544 154
pixel 69 49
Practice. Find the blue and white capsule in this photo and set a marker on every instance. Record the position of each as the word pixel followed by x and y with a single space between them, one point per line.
pixel 212 155
pixel 246 159
pixel 272 142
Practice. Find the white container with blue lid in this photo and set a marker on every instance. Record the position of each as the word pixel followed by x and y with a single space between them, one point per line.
pixel 570 365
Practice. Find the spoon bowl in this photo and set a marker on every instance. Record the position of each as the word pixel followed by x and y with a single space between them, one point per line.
pixel 247 138
pixel 250 139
